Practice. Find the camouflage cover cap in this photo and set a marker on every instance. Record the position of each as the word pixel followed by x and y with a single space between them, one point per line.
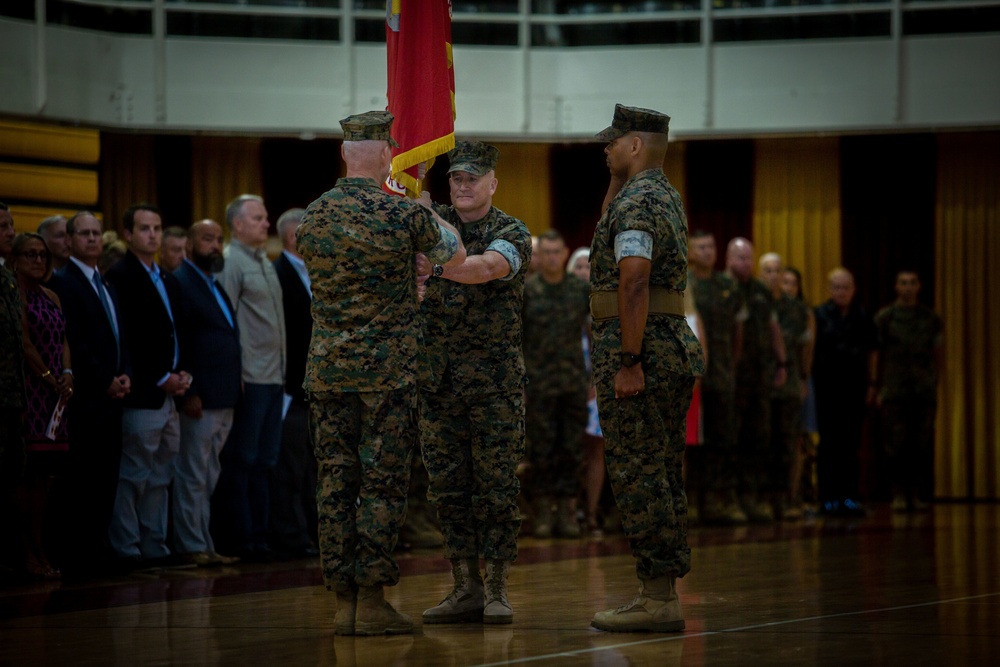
pixel 474 157
pixel 634 119
pixel 369 126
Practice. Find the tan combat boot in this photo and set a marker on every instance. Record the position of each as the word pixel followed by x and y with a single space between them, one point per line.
pixel 375 616
pixel 347 602
pixel 566 523
pixel 465 602
pixel 497 608
pixel 655 609
pixel 543 517
pixel 758 510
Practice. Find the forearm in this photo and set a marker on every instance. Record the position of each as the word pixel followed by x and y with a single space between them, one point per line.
pixel 478 269
pixel 633 310
pixel 778 343
pixel 456 255
pixel 67 358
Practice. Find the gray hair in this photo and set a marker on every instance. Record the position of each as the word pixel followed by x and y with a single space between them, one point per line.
pixel 291 217
pixel 235 207
pixel 769 257
pixel 43 226
pixel 577 254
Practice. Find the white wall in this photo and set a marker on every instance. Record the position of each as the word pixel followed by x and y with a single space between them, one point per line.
pixel 541 94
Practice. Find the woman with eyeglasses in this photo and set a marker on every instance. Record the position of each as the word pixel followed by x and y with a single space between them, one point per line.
pixel 49 384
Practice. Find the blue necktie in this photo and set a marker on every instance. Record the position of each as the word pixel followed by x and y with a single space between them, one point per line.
pixel 220 300
pixel 103 294
pixel 162 290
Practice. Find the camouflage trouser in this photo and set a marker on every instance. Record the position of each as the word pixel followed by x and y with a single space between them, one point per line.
pixel 554 427
pixel 786 427
pixel 718 418
pixel 753 433
pixel 644 447
pixel 908 426
pixel 471 447
pixel 364 443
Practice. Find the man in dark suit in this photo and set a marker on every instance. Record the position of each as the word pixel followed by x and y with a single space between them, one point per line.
pixel 94 332
pixel 293 483
pixel 210 350
pixel 150 423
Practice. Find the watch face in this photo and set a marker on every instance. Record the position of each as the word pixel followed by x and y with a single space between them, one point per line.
pixel 437 270
pixel 629 359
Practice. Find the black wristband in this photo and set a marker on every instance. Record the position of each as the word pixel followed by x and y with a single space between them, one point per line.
pixel 628 359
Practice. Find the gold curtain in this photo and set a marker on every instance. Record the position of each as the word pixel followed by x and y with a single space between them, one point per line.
pixel 967 230
pixel 523 188
pixel 222 168
pixel 797 206
pixel 673 167
pixel 128 175
pixel 53 168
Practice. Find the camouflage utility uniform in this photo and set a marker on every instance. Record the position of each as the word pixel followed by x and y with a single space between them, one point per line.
pixel 471 394
pixel 720 305
pixel 909 339
pixel 359 244
pixel 554 320
pixel 644 434
pixel 786 400
pixel 754 376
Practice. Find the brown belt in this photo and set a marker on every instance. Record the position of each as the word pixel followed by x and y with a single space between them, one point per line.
pixel 604 305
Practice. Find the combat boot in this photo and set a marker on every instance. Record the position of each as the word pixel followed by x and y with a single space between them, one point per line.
pixel 497 608
pixel 347 602
pixel 720 510
pixel 465 602
pixel 757 510
pixel 566 523
pixel 375 616
pixel 543 517
pixel 656 608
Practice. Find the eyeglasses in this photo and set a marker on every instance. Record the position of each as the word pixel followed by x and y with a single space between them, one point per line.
pixel 35 256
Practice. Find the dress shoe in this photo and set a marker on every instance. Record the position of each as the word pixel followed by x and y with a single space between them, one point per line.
pixel 225 560
pixel 126 564
pixel 200 559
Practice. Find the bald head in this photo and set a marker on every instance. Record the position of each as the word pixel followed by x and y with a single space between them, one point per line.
pixel 770 270
pixel 367 159
pixel 204 246
pixel 841 283
pixel 739 258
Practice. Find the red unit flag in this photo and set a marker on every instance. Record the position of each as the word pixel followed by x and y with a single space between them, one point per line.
pixel 421 88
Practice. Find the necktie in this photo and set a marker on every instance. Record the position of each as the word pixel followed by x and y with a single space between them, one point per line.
pixel 162 290
pixel 220 300
pixel 106 302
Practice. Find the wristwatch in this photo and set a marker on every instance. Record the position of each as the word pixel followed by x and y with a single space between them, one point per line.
pixel 629 359
pixel 437 270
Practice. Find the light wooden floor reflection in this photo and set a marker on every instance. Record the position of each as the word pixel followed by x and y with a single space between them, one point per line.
pixel 886 590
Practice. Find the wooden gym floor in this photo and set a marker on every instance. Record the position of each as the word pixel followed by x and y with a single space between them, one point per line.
pixel 919 589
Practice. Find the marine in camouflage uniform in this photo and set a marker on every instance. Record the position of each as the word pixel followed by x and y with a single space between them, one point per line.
pixel 471 392
pixel 556 311
pixel 645 360
pixel 786 400
pixel 755 378
pixel 360 246
pixel 909 338
pixel 722 309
